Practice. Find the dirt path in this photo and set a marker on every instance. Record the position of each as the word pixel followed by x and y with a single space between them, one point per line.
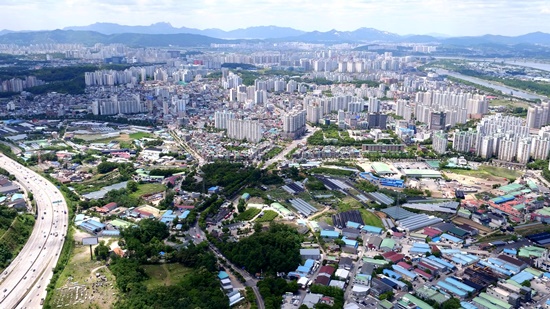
pixel 93 271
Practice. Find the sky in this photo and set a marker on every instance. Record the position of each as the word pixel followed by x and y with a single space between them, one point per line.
pixel 450 17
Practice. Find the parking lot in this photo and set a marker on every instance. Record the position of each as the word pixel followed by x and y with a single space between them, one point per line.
pixel 411 165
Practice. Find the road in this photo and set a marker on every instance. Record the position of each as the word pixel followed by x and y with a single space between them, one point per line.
pixel 249 280
pixel 292 145
pixel 182 143
pixel 23 283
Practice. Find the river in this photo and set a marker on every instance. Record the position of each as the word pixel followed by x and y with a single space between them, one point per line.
pixel 530 64
pixel 506 90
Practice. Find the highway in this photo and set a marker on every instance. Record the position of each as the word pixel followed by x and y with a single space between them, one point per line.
pixel 23 283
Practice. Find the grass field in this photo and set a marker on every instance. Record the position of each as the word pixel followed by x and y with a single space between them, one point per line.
pixel 486 171
pixel 269 215
pixel 165 274
pixel 370 218
pixel 248 214
pixel 533 230
pixel 139 135
pixel 148 188
pixel 78 280
pixel 505 102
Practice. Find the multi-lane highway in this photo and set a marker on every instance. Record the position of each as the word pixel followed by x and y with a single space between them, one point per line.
pixel 23 283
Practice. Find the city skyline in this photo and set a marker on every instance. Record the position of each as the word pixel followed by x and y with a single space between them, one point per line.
pixel 464 18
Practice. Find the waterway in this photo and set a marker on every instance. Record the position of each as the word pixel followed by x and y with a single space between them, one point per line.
pixel 506 90
pixel 535 65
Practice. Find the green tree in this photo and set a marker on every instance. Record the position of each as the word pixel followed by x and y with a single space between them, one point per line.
pixel 132 186
pixel 452 303
pixel 101 251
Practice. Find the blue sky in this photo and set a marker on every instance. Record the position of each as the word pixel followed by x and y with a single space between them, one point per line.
pixel 451 17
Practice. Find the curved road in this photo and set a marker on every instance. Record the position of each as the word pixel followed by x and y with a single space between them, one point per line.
pixel 23 283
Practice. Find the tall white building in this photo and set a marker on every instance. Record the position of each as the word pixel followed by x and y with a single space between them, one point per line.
pixel 314 113
pixel 464 140
pixel 244 129
pixel 524 150
pixel 180 104
pixel 221 119
pixel 507 150
pixel 294 122
pixel 374 105
pixel 540 148
pixel 439 142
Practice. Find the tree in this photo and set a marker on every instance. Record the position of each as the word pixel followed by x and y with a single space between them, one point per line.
pixel 132 186
pixel 526 283
pixel 452 303
pixel 101 251
pixel 257 227
pixel 241 207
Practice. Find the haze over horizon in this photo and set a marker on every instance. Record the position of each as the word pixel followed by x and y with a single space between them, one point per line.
pixel 453 18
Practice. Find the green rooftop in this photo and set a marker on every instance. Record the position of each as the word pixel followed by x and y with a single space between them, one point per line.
pixel 374 261
pixel 543 211
pixel 532 185
pixel 388 243
pixel 512 282
pixel 433 163
pixel 419 303
pixel 458 232
pixel 422 173
pixel 120 224
pixel 520 207
pixel 511 187
pixel 381 168
pixel 534 272
pixel 485 303
pixel 531 251
pixel 495 301
pixel 385 304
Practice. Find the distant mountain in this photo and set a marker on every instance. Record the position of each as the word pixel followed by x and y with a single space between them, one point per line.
pixel 91 37
pixel 262 32
pixel 164 34
pixel 335 36
pixel 529 38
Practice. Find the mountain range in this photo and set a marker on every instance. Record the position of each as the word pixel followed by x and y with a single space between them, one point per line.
pixel 261 32
pixel 164 34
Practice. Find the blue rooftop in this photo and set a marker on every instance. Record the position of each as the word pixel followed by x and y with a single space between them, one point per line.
pixel 522 276
pixel 403 271
pixel 185 214
pixel 452 289
pixel 16 196
pixel 350 242
pixel 391 273
pixel 451 238
pixel 352 225
pixel 330 234
pixel 222 275
pixel 466 305
pixel 372 229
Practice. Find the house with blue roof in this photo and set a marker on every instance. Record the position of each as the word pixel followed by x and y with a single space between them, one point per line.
pixel 91 226
pixel 222 275
pixel 350 242
pixel 391 274
pixel 16 197
pixel 330 234
pixel 213 190
pixel 352 225
pixel 372 229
